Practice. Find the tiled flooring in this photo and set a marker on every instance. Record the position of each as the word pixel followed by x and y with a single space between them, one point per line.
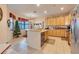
pixel 60 46
pixel 20 46
pixel 75 48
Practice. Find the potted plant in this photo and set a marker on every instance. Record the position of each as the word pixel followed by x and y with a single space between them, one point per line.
pixel 16 31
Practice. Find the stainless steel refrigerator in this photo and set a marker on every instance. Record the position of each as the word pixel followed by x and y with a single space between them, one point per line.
pixel 75 35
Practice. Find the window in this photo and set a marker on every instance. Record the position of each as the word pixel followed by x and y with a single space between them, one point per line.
pixel 27 25
pixel 24 25
pixel 11 24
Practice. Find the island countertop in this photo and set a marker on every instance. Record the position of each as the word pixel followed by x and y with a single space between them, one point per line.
pixel 38 30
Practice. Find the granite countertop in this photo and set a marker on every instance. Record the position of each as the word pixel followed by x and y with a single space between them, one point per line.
pixel 38 30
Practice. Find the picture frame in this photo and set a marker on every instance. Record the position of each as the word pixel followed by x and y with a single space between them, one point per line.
pixel 1 14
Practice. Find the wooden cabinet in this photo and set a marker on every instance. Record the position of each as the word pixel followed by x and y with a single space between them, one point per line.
pixel 44 37
pixel 53 21
pixel 58 32
pixel 57 21
pixel 67 20
pixel 62 20
pixel 49 32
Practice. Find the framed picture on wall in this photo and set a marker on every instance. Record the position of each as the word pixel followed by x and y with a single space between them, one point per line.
pixel 1 14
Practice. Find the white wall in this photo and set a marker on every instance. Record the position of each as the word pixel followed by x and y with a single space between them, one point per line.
pixel 5 34
pixel 40 19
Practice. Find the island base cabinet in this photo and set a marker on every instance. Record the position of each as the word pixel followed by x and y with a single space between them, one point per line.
pixel 42 38
pixel 34 39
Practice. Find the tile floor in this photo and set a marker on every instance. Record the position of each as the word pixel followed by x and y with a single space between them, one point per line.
pixel 75 48
pixel 59 47
pixel 20 46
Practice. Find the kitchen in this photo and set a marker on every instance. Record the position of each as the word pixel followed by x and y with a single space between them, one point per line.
pixel 57 26
pixel 42 28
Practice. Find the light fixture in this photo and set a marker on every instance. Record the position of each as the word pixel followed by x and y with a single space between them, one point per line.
pixel 37 5
pixel 31 15
pixel 45 12
pixel 62 8
pixel 34 11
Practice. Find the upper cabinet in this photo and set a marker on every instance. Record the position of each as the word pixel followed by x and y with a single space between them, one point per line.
pixel 67 20
pixel 61 20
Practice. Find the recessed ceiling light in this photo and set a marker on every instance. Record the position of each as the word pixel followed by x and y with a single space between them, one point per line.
pixel 62 8
pixel 45 12
pixel 34 11
pixel 37 5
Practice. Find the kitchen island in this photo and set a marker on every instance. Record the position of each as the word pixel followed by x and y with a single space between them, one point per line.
pixel 36 38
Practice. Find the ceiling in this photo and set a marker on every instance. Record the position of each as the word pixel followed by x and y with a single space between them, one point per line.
pixel 31 10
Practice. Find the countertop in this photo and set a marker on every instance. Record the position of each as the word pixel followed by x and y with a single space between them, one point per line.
pixel 38 30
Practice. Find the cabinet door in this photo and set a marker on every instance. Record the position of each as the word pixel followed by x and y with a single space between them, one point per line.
pixel 53 21
pixel 57 21
pixel 46 35
pixel 50 33
pixel 42 38
pixel 50 21
pixel 67 20
pixel 61 21
pixel 54 32
pixel 57 33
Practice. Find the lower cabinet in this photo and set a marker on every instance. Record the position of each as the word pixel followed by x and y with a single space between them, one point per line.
pixel 58 32
pixel 44 37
